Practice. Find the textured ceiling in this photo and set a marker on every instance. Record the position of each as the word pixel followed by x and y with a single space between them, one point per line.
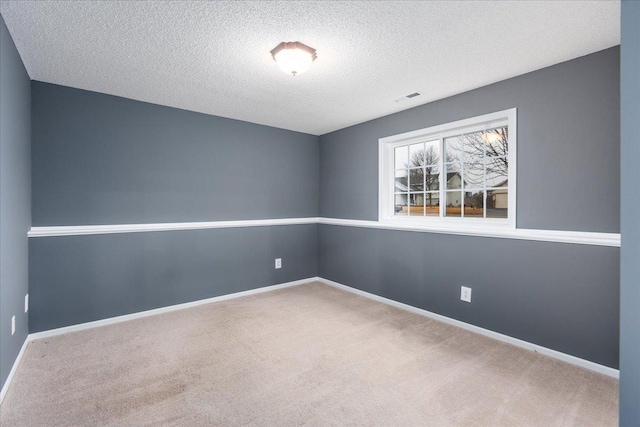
pixel 213 57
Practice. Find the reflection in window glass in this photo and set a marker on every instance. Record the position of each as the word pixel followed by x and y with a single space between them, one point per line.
pixel 416 155
pixel 416 179
pixel 432 178
pixel 474 204
pixel 497 172
pixel 432 153
pixel 453 205
pixel 453 149
pixel 498 203
pixel 474 175
pixel 416 204
pixel 473 146
pixel 402 157
pixel 400 207
pixel 462 173
pixel 496 142
pixel 401 184
pixel 432 204
pixel 453 176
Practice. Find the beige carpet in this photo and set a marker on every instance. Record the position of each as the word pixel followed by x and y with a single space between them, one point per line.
pixel 311 355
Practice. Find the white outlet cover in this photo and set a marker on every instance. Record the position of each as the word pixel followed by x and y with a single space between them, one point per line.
pixel 278 263
pixel 465 294
pixel 13 325
pixel 26 303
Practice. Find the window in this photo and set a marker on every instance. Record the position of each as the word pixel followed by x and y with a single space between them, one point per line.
pixel 459 175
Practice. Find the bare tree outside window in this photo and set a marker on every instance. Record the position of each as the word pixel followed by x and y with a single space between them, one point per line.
pixel 474 163
pixel 428 173
pixel 459 169
pixel 496 142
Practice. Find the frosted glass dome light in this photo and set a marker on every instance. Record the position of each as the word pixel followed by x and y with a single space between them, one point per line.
pixel 293 57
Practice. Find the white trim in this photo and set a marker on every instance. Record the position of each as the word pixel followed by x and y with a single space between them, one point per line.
pixel 486 332
pixel 176 307
pixel 76 230
pixel 559 236
pixel 447 127
pixel 513 168
pixel 141 314
pixel 500 337
pixel 386 170
pixel 5 387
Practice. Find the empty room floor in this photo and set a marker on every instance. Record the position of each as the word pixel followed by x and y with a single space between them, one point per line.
pixel 309 354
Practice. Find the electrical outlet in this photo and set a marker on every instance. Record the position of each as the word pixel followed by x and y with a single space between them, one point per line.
pixel 13 325
pixel 465 294
pixel 278 263
pixel 26 303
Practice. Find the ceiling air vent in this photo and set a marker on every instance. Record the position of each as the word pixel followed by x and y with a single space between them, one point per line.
pixel 410 96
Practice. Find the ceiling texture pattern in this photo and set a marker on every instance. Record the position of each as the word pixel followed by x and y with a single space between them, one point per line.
pixel 213 57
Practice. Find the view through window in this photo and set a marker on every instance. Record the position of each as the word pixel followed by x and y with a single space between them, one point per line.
pixel 462 172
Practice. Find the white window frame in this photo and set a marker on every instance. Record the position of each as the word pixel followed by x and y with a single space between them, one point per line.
pixel 386 171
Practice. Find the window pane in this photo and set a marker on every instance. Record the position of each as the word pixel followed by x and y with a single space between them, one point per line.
pixel 416 155
pixel 497 203
pixel 432 153
pixel 497 172
pixel 474 204
pixel 474 175
pixel 432 178
pixel 432 204
pixel 416 179
pixel 454 179
pixel 453 149
pixel 473 146
pixel 401 157
pixel 416 204
pixel 496 141
pixel 454 203
pixel 401 185
pixel 400 207
pixel 465 174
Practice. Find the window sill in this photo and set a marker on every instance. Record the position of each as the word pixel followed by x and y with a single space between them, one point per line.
pixel 483 226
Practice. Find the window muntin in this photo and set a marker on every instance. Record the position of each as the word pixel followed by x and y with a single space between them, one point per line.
pixel 468 166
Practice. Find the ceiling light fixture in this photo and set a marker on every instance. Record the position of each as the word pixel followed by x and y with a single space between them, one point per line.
pixel 293 57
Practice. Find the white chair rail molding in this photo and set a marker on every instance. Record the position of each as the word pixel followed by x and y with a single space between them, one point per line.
pixel 560 236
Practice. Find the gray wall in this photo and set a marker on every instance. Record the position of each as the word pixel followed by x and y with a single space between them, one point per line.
pixel 15 198
pixel 100 159
pixel 568 146
pixel 83 278
pixel 560 296
pixel 630 218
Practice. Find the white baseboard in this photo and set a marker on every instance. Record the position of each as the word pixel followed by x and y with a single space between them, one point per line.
pixel 140 314
pixel 126 317
pixel 491 334
pixel 486 332
pixel 5 387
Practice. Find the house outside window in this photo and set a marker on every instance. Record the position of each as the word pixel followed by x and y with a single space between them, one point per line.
pixel 458 175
